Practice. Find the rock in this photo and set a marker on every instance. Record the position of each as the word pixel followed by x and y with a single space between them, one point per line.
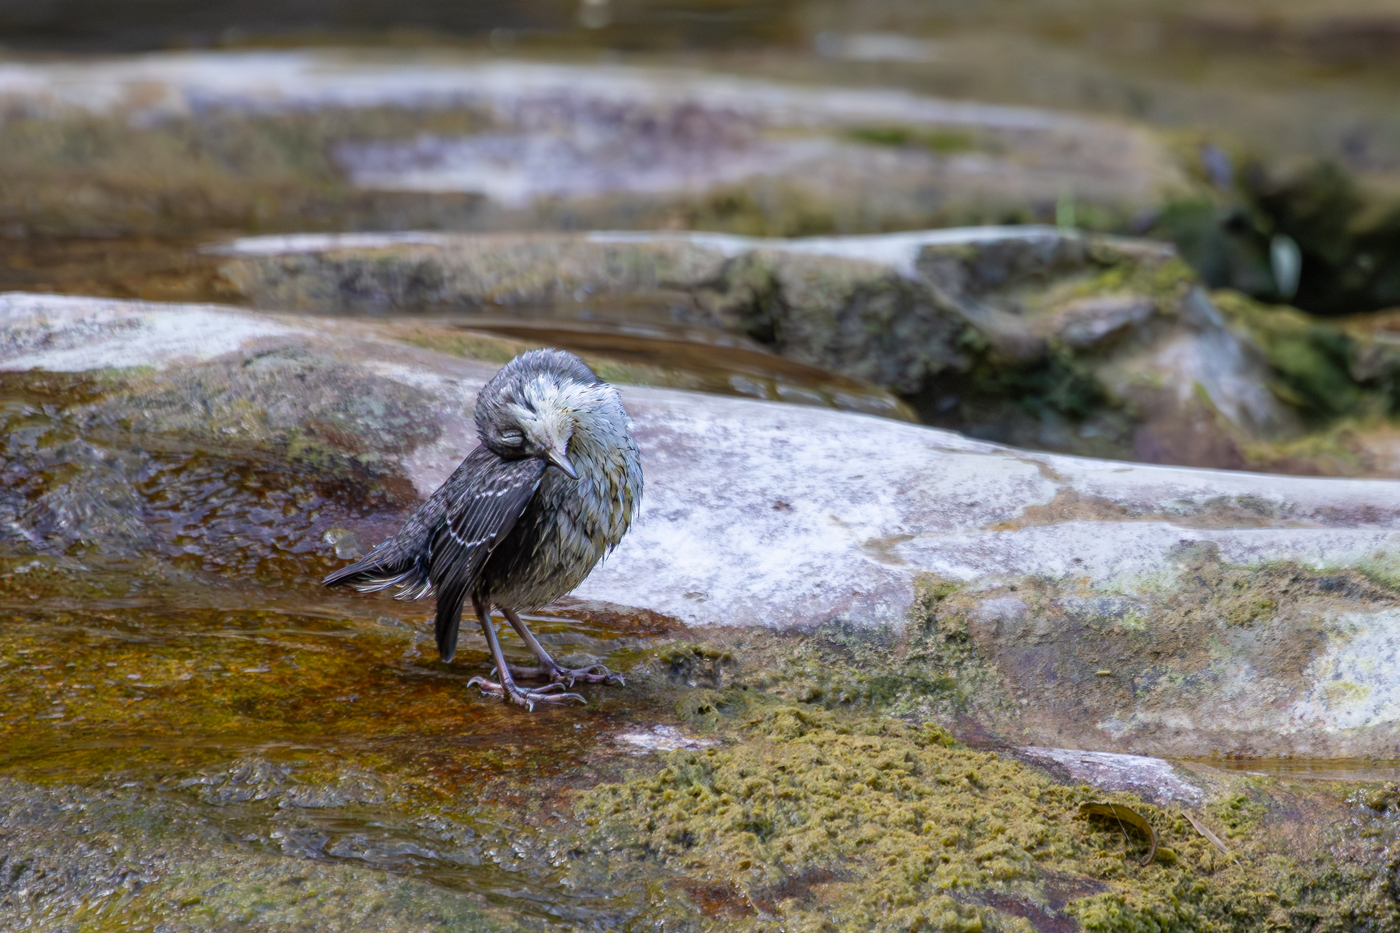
pixel 661 738
pixel 1151 778
pixel 78 850
pixel 315 138
pixel 997 332
pixel 1088 321
pixel 1119 607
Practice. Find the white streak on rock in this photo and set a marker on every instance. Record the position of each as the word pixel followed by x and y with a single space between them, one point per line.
pixel 897 250
pixel 293 243
pixel 1152 778
pixel 71 334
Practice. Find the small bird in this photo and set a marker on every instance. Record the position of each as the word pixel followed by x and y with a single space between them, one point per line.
pixel 551 488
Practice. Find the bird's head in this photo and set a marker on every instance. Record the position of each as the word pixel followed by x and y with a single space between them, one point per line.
pixel 534 405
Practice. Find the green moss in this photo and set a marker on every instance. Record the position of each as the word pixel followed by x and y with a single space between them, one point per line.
pixel 1219 242
pixel 893 812
pixel 931 666
pixel 1312 361
pixel 1240 814
pixel 853 821
pixel 1045 393
pixel 782 211
pixel 1112 273
pixel 819 810
pixel 1059 382
pixel 942 141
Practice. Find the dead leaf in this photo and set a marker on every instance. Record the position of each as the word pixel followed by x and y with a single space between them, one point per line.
pixel 1124 817
pixel 1201 828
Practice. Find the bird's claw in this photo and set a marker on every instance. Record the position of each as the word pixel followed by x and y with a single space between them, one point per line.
pixel 550 693
pixel 593 674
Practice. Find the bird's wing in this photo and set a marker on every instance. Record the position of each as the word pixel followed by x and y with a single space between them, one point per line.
pixel 482 508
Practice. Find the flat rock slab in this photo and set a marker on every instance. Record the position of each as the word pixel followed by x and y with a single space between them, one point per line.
pixel 529 138
pixel 1118 606
pixel 1114 346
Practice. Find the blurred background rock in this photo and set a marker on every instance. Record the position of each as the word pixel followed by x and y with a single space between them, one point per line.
pixel 1258 138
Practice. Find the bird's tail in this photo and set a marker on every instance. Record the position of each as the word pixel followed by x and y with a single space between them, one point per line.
pixel 381 568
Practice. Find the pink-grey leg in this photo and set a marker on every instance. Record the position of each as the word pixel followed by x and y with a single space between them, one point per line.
pixel 593 674
pixel 506 688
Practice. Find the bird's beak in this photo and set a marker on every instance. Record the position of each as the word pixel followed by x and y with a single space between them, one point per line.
pixel 562 462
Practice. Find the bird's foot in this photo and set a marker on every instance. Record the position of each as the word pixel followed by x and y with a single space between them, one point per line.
pixel 551 693
pixel 593 674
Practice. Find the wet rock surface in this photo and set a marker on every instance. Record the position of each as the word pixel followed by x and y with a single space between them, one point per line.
pixel 864 658
pixel 1133 608
pixel 194 736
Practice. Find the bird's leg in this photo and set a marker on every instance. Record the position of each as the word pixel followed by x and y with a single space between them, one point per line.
pixel 506 689
pixel 593 674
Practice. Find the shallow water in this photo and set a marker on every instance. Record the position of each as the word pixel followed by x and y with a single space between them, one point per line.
pixel 163 637
pixel 627 345
pixel 149 268
pixel 319 731
pixel 1350 770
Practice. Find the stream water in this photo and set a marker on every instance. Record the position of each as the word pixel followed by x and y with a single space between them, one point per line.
pixel 164 640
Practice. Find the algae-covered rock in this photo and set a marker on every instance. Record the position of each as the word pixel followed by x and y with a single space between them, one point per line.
pixel 818 822
pixel 1024 335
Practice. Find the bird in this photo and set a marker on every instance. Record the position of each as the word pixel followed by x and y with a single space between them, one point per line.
pixel 551 488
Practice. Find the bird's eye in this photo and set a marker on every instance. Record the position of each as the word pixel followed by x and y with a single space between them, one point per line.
pixel 512 438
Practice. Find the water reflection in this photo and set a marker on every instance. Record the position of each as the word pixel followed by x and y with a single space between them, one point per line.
pixel 1350 770
pixel 627 344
